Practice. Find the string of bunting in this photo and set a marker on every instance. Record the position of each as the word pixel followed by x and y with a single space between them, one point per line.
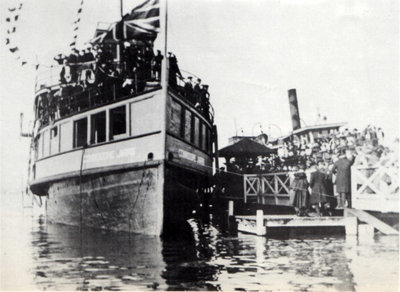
pixel 12 21
pixel 76 25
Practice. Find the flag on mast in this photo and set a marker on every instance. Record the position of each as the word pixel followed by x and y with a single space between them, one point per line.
pixel 143 22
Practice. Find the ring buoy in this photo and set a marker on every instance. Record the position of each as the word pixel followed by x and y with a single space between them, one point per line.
pixel 90 76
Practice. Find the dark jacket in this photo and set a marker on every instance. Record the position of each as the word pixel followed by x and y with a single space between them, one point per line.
pixel 342 169
pixel 318 187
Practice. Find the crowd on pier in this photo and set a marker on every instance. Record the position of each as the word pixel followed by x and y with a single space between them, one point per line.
pixel 100 74
pixel 318 165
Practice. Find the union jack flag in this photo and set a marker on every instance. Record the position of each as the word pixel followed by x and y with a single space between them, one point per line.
pixel 143 22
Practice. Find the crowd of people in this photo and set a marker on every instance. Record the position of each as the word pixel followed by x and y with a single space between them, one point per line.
pixel 318 166
pixel 95 75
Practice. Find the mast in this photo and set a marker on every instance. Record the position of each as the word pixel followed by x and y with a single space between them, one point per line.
pixel 164 72
pixel 121 5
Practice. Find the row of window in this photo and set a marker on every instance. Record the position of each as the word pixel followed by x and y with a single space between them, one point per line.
pixel 188 126
pixel 131 119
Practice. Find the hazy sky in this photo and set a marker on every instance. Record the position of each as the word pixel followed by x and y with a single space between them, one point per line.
pixel 341 56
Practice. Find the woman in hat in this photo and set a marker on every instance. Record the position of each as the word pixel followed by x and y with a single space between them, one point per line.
pixel 299 186
pixel 318 188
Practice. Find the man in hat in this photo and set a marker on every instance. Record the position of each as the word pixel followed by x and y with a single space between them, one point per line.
pixel 189 89
pixel 342 169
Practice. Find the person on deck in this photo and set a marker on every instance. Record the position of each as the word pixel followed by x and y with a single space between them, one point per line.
pixel 157 65
pixel 342 169
pixel 318 188
pixel 300 188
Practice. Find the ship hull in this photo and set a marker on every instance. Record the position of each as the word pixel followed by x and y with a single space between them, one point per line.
pixel 127 200
pixel 147 200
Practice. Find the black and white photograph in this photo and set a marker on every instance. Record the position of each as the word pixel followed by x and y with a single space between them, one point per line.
pixel 199 145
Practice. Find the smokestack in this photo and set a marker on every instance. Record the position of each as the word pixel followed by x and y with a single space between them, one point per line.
pixel 294 109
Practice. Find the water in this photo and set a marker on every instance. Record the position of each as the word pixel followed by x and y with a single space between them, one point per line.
pixel 36 255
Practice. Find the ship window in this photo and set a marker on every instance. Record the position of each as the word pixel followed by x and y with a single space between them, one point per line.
pixel 117 122
pixel 175 118
pixel 182 128
pixel 207 140
pixel 188 124
pixel 80 132
pixel 200 134
pixel 203 134
pixel 192 129
pixel 54 132
pixel 196 130
pixel 98 128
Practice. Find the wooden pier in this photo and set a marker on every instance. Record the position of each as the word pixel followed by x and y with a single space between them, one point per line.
pixel 355 222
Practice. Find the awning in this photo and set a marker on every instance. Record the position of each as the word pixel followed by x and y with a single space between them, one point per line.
pixel 246 148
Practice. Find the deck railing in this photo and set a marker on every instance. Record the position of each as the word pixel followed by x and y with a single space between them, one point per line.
pixel 376 187
pixel 270 188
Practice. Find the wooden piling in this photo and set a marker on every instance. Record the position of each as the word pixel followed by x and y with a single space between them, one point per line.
pixel 351 227
pixel 230 208
pixel 260 228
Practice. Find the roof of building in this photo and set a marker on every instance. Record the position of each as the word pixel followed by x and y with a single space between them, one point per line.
pixel 245 147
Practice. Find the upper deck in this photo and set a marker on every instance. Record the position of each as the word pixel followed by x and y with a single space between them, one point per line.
pixel 91 88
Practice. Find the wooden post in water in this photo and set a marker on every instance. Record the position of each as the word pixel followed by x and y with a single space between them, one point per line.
pixel 260 229
pixel 230 208
pixel 351 225
pixel 365 233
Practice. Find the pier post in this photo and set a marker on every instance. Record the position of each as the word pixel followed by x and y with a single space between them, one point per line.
pixel 351 225
pixel 230 208
pixel 260 228
pixel 365 233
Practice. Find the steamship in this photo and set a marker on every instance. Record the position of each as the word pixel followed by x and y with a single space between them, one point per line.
pixel 104 156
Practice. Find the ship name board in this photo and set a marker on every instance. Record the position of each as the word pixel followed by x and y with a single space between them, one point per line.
pixel 109 155
pixel 191 157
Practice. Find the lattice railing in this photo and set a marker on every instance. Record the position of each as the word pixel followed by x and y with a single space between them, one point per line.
pixel 272 187
pixel 376 187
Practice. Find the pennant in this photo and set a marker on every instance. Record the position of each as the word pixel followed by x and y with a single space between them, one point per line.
pixel 79 10
pixel 16 17
pixel 12 9
pixel 75 36
pixel 72 44
pixel 76 28
pixel 8 19
pixel 7 41
pixel 13 50
pixel 37 67
pixel 14 29
pixel 23 63
pixel 20 6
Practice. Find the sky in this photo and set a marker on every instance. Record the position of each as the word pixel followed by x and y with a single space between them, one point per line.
pixel 341 56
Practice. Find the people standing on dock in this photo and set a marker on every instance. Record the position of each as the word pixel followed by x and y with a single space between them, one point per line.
pixel 342 169
pixel 331 202
pixel 299 186
pixel 318 188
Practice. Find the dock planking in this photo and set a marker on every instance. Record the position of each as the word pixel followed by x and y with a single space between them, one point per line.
pixel 250 224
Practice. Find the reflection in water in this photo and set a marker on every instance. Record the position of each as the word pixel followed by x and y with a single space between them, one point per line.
pixel 207 258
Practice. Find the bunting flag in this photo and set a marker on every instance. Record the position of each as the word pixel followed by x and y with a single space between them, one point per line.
pixel 142 23
pixel 76 22
pixel 16 17
pixel 7 41
pixel 12 9
pixel 8 19
pixel 23 63
pixel 13 50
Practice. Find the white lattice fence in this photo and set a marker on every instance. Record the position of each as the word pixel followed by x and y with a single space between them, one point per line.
pixel 376 188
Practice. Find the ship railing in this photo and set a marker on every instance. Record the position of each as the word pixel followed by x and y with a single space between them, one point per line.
pixel 61 105
pixel 376 187
pixel 271 188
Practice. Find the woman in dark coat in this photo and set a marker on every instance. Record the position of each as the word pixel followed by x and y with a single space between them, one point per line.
pixel 318 188
pixel 301 196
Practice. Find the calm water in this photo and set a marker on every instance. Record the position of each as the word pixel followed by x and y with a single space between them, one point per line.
pixel 40 256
